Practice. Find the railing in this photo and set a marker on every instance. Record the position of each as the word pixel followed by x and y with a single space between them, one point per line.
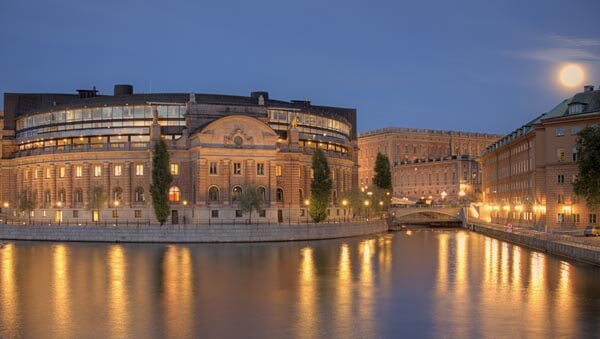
pixel 138 223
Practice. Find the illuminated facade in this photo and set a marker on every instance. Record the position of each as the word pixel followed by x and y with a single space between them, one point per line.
pixel 57 147
pixel 435 163
pixel 528 174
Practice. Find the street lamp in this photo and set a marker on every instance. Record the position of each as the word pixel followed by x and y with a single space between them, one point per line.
pixel 185 202
pixel 306 203
pixel 367 206
pixel 344 203
pixel 116 203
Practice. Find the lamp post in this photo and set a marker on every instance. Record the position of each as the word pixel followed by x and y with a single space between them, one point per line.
pixel 116 203
pixel 367 206
pixel 184 209
pixel 344 203
pixel 5 206
pixel 306 203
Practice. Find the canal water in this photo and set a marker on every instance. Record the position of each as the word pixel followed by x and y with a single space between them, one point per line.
pixel 449 283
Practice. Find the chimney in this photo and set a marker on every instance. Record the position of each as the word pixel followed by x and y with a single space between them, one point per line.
pixel 588 88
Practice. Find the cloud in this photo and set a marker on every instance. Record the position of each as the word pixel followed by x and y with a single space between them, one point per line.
pixel 574 41
pixel 563 49
pixel 558 54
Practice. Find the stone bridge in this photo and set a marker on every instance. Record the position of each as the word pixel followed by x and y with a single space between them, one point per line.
pixel 428 215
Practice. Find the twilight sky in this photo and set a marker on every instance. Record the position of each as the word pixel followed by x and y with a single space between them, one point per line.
pixel 486 66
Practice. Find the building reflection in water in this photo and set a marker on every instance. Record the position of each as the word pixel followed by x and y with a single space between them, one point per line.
pixel 8 287
pixel 343 306
pixel 118 297
pixel 307 317
pixel 178 297
pixel 564 302
pixel 442 268
pixel 536 293
pixel 366 291
pixel 62 299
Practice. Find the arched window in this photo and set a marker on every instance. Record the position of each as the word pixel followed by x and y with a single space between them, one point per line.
pixel 236 192
pixel 62 195
pixel 174 194
pixel 301 196
pixel 47 197
pixel 139 195
pixel 78 196
pixel 117 194
pixel 262 192
pixel 213 194
pixel 279 194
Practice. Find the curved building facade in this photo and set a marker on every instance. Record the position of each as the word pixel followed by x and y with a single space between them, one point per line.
pixel 58 148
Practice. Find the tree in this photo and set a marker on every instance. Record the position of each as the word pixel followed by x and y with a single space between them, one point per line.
pixel 250 200
pixel 320 187
pixel 587 184
pixel 96 198
pixel 26 203
pixel 161 181
pixel 383 174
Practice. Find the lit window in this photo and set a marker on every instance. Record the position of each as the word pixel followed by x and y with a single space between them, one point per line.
pixel 237 168
pixel 78 171
pixel 48 173
pixel 118 170
pixel 213 168
pixel 174 169
pixel 174 194
pixel 139 169
pixel 97 170
pixel 61 172
pixel 260 168
pixel 278 171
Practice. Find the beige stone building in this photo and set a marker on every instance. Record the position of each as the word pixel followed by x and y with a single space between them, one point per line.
pixel 435 163
pixel 528 174
pixel 57 147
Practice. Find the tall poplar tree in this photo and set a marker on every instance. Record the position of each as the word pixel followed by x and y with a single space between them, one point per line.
pixel 383 174
pixel 320 187
pixel 161 181
pixel 587 184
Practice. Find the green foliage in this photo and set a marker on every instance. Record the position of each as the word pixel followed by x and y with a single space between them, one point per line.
pixel 250 200
pixel 26 202
pixel 320 187
pixel 587 184
pixel 96 198
pixel 161 182
pixel 383 174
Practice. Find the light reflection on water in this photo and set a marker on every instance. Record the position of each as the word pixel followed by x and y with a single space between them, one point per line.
pixel 440 284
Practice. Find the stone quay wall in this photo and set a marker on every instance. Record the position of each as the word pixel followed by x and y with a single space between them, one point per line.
pixel 193 234
pixel 550 243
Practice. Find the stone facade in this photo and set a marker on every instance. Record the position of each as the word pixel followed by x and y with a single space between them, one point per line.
pixel 430 152
pixel 528 175
pixel 218 146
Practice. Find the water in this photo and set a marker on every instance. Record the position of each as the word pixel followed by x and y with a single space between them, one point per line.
pixel 423 284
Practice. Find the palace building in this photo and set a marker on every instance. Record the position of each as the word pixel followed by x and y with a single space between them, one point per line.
pixel 430 164
pixel 58 148
pixel 528 174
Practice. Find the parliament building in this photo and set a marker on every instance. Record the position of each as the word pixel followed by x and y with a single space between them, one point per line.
pixel 57 148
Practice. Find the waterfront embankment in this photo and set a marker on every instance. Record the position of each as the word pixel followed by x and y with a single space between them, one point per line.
pixel 192 233
pixel 576 248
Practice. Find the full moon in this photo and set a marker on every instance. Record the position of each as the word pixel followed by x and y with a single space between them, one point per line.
pixel 571 75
